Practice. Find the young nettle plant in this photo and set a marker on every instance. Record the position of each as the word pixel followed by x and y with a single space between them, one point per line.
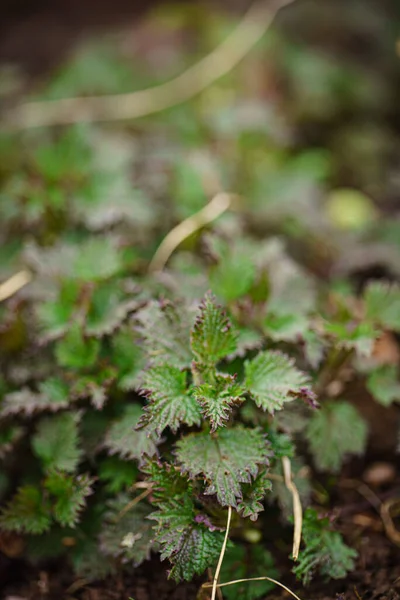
pixel 222 463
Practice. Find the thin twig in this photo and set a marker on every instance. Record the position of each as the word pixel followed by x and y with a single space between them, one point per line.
pixel 133 503
pixel 221 556
pixel 146 102
pixel 207 585
pixel 12 285
pixel 297 509
pixel 218 205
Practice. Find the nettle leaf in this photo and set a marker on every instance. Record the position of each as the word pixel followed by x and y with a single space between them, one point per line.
pixel 127 534
pixel 352 335
pixel 225 460
pixel 56 442
pixel 54 316
pixel 188 543
pixel 382 304
pixel 108 308
pixel 98 258
pixel 253 495
pixel 28 512
pixel 165 330
pixel 235 272
pixel 383 383
pixel 212 337
pixel 70 496
pixel 325 551
pixel 117 474
pixel 191 550
pixel 75 351
pixel 244 562
pixel 334 431
pixel 170 403
pixel 128 357
pixel 218 399
pixel 273 379
pixel 123 439
pixel 53 395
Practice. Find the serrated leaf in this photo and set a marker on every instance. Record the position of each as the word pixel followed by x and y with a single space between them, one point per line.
pixel 97 259
pixel 383 383
pixel 117 474
pixel 333 432
pixel 191 550
pixel 226 460
pixel 218 399
pixel 212 337
pixel 75 351
pixel 357 336
pixel 128 358
pixel 244 562
pixel 235 272
pixel 382 304
pixel 165 330
pixel 28 511
pixel 170 403
pixel 56 442
pixel 124 440
pixel 127 535
pixel 70 496
pixel 55 315
pixel 53 395
pixel 108 308
pixel 253 495
pixel 273 380
pixel 324 552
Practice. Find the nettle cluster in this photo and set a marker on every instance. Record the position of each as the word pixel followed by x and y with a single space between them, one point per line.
pixel 133 414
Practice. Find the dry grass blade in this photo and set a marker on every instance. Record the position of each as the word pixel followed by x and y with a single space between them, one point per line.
pixel 234 582
pixel 221 556
pixel 297 509
pixel 14 284
pixel 146 102
pixel 216 207
pixel 133 503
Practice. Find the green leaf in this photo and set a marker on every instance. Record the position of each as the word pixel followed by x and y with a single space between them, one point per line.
pixel 190 549
pixel 127 534
pixel 28 512
pixel 273 380
pixel 357 336
pixel 122 439
pixel 55 315
pixel 56 442
pixel 235 272
pixel 117 474
pixel 127 356
pixel 244 562
pixel 212 336
pixel 383 383
pixel 218 399
pixel 108 308
pixel 226 460
pixel 165 330
pixel 53 395
pixel 70 496
pixel 97 259
pixel 382 304
pixel 170 404
pixel 335 430
pixel 253 495
pixel 9 436
pixel 75 351
pixel 324 552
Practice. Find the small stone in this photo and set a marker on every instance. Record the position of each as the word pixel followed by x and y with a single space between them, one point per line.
pixel 379 473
